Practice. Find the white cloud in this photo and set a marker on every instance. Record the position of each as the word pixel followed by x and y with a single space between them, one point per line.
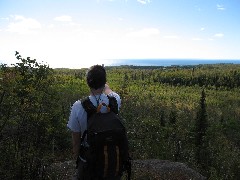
pixel 18 17
pixel 4 18
pixel 220 7
pixel 196 39
pixel 75 25
pixel 23 25
pixel 51 26
pixel 171 37
pixel 219 35
pixel 120 19
pixel 146 32
pixel 144 1
pixel 63 18
pixel 202 29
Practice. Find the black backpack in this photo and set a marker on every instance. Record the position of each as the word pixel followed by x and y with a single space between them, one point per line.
pixel 105 153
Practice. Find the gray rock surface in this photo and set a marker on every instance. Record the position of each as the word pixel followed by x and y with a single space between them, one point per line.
pixel 164 170
pixel 150 169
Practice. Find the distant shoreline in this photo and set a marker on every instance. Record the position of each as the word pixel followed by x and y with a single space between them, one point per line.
pixel 168 62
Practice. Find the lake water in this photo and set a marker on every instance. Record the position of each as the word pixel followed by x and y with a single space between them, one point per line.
pixel 168 62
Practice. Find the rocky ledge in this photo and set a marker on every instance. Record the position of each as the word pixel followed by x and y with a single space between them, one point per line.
pixel 150 169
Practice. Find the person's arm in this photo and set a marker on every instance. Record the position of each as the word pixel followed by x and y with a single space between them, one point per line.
pixel 76 136
pixel 74 125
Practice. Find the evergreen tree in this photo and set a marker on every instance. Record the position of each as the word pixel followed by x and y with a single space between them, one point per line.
pixel 162 118
pixel 172 117
pixel 202 156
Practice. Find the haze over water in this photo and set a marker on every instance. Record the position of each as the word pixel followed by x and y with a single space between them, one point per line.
pixel 168 62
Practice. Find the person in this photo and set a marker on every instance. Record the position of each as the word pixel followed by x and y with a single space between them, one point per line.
pixel 99 90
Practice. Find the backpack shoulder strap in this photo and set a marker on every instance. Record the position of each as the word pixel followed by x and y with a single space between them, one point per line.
pixel 88 107
pixel 113 105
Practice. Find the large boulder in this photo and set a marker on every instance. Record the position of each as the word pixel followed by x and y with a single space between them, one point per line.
pixel 150 169
pixel 163 170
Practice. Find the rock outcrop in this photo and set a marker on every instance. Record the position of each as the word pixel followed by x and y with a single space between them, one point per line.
pixel 163 170
pixel 151 169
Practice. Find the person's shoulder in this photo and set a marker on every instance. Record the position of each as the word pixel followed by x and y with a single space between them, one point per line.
pixel 87 101
pixel 77 104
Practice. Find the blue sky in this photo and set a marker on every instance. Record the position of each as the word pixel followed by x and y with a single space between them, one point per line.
pixel 80 33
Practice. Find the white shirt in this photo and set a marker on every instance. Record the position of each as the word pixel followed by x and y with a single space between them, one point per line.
pixel 78 117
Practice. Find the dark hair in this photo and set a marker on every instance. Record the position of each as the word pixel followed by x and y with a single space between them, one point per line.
pixel 96 77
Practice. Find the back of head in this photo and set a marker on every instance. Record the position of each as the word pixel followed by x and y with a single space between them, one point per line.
pixel 96 77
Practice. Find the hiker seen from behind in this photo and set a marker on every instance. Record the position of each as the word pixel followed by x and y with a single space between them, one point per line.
pixel 100 144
